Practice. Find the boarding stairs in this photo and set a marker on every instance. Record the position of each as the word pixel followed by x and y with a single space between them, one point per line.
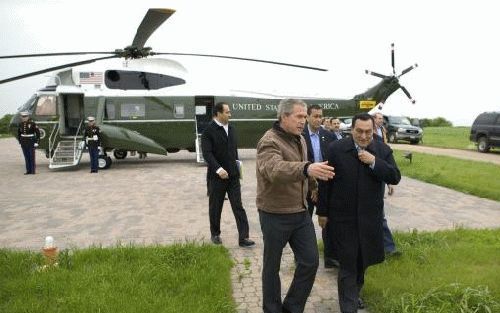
pixel 199 153
pixel 69 149
pixel 68 153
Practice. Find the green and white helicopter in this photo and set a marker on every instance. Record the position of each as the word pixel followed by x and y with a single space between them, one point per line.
pixel 144 102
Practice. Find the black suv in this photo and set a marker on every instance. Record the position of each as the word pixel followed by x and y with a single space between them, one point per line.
pixel 485 131
pixel 400 128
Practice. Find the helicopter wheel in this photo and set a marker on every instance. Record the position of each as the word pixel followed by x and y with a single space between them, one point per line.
pixel 120 154
pixel 104 162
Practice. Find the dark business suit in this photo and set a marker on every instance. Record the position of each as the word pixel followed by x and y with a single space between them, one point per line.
pixel 354 204
pixel 325 137
pixel 220 150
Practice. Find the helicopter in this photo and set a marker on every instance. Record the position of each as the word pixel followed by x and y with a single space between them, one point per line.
pixel 145 103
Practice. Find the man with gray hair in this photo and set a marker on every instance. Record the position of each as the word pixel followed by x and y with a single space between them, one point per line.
pixel 283 178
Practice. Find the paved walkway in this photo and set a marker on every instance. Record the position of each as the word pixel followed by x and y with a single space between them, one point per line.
pixel 163 200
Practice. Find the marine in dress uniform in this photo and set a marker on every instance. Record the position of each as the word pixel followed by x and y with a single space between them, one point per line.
pixel 28 136
pixel 92 138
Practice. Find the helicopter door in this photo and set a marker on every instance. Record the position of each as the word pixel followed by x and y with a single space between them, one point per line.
pixel 73 113
pixel 203 109
pixel 203 114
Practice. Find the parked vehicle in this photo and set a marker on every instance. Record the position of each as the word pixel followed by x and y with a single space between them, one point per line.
pixel 485 131
pixel 400 128
pixel 345 125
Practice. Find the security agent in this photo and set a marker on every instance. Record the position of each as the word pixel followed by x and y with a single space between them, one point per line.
pixel 28 136
pixel 220 151
pixel 92 138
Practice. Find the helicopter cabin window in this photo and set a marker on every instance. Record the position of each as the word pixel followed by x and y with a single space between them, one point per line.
pixel 179 111
pixel 110 111
pixel 133 111
pixel 46 106
pixel 135 80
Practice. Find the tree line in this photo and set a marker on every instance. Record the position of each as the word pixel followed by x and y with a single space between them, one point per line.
pixel 4 123
pixel 435 122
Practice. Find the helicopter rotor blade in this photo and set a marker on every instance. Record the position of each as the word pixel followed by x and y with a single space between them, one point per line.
pixel 376 74
pixel 238 58
pixel 392 60
pixel 50 69
pixel 152 20
pixel 408 69
pixel 50 54
pixel 408 94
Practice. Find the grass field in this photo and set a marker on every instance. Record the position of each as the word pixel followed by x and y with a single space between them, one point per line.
pixel 177 278
pixel 476 178
pixel 448 137
pixel 447 272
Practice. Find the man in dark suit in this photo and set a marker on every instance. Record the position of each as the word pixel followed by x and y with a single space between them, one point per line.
pixel 335 128
pixel 353 204
pixel 381 135
pixel 218 143
pixel 317 139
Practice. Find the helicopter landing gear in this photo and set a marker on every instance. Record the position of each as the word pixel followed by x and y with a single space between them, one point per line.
pixel 104 162
pixel 120 154
pixel 47 155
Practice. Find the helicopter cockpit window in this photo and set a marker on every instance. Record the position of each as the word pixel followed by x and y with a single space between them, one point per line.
pixel 133 111
pixel 134 80
pixel 46 106
pixel 28 106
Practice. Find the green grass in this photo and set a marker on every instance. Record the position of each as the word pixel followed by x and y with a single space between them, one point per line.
pixel 178 278
pixel 5 135
pixel 476 178
pixel 448 137
pixel 447 272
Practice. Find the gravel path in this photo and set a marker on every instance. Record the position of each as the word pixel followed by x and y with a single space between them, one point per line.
pixel 492 156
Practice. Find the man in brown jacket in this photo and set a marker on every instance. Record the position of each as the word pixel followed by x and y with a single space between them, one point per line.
pixel 283 176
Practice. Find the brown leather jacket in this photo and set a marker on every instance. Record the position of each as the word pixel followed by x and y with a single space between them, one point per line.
pixel 281 182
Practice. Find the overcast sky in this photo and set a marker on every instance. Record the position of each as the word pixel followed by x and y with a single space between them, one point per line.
pixel 455 44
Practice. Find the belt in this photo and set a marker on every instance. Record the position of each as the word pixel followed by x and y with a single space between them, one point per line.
pixel 27 135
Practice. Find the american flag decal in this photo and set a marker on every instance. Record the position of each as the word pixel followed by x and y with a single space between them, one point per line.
pixel 90 77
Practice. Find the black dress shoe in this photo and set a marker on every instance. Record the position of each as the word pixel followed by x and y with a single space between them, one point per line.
pixel 246 243
pixel 216 240
pixel 361 304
